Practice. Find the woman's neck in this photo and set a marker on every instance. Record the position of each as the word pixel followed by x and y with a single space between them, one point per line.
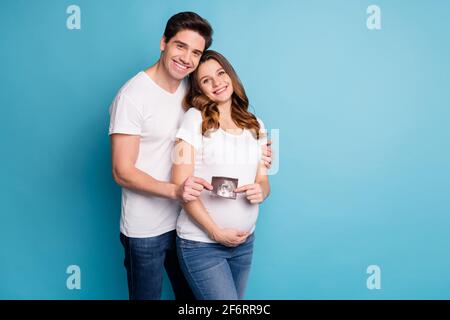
pixel 225 110
pixel 226 121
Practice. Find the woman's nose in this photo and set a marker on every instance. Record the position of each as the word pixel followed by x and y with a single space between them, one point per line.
pixel 216 83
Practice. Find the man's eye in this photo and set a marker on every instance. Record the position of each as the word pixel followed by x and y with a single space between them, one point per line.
pixel 179 46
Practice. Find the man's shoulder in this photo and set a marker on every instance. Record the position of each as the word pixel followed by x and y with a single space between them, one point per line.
pixel 135 86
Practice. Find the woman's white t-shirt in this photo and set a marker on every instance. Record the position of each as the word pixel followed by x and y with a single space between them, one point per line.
pixel 221 154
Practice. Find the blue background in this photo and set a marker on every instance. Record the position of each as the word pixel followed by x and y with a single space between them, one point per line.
pixel 364 148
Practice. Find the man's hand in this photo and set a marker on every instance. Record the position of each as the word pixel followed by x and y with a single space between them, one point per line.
pixel 267 154
pixel 253 192
pixel 229 237
pixel 191 189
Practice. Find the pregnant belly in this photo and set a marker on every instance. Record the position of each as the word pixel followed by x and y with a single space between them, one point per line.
pixel 236 214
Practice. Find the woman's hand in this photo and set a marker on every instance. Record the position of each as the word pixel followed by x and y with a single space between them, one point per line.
pixel 229 237
pixel 254 192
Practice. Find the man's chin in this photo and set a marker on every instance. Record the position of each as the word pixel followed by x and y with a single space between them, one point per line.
pixel 178 75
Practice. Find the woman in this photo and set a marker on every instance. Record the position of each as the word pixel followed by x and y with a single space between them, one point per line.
pixel 219 138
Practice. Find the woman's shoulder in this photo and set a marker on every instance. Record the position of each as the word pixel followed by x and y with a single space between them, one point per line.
pixel 262 130
pixel 193 114
pixel 261 123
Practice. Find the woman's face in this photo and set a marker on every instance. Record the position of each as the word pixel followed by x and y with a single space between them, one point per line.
pixel 214 81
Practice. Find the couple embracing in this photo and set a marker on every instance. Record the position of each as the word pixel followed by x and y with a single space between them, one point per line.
pixel 176 129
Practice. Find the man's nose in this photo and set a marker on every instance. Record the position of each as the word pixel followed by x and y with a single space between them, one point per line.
pixel 185 58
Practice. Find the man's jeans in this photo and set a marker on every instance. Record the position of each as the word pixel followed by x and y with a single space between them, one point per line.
pixel 144 261
pixel 216 272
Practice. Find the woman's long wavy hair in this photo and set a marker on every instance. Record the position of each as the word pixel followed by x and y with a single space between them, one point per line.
pixel 195 98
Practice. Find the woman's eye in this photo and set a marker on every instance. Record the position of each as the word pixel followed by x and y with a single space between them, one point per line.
pixel 221 73
pixel 205 81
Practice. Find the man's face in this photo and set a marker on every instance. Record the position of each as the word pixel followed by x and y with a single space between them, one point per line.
pixel 182 53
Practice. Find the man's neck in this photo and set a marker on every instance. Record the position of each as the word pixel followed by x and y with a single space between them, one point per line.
pixel 162 78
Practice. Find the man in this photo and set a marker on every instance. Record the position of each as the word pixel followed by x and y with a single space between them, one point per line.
pixel 145 116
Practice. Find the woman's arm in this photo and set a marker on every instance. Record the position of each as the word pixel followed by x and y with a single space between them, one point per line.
pixel 183 167
pixel 263 179
pixel 257 192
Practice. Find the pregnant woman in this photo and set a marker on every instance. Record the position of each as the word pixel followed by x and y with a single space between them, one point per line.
pixel 219 140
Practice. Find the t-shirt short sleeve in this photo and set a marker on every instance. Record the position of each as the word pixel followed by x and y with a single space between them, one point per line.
pixel 125 116
pixel 262 133
pixel 191 128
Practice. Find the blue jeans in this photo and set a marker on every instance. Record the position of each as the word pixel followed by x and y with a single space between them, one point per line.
pixel 216 272
pixel 144 262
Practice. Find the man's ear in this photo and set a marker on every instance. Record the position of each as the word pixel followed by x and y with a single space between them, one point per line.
pixel 162 44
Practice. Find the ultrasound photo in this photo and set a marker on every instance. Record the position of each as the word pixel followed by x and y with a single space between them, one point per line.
pixel 224 187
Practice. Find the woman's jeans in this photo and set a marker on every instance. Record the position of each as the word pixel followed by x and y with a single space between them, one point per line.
pixel 213 271
pixel 145 260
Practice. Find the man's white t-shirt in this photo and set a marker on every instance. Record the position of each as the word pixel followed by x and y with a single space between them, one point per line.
pixel 143 108
pixel 221 154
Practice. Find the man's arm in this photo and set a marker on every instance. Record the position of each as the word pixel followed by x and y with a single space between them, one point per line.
pixel 125 150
